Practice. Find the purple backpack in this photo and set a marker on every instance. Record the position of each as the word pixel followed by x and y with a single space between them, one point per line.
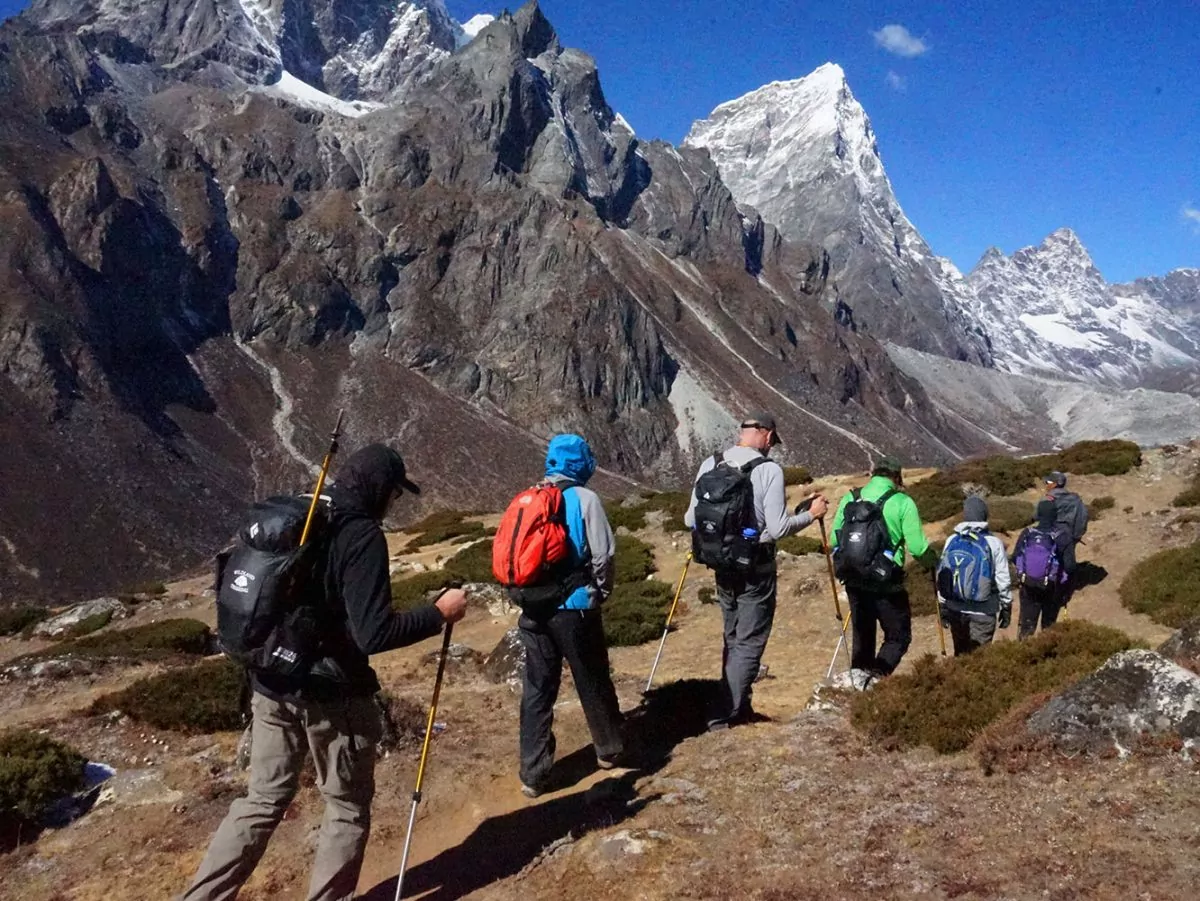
pixel 1038 563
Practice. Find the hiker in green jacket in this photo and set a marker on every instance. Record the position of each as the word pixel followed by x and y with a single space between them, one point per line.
pixel 873 529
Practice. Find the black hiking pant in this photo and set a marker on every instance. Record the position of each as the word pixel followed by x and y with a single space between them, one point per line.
pixel 969 633
pixel 748 607
pixel 577 636
pixel 892 613
pixel 1039 603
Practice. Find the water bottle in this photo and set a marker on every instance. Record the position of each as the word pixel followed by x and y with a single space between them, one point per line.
pixel 748 547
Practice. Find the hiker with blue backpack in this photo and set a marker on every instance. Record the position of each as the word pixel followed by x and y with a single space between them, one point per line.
pixel 874 528
pixel 1040 557
pixel 974 585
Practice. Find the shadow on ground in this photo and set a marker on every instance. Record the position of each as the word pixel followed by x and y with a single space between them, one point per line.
pixel 502 846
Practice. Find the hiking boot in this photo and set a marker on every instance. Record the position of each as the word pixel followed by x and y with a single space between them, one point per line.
pixel 531 791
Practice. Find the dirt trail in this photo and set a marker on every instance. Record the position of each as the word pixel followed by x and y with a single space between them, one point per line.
pixel 760 800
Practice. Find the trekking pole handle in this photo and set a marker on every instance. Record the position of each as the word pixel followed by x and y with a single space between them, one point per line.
pixel 837 604
pixel 325 463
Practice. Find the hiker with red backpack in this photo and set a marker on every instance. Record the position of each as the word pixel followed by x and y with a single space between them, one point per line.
pixel 737 512
pixel 873 529
pixel 554 553
pixel 974 586
pixel 305 637
pixel 1040 556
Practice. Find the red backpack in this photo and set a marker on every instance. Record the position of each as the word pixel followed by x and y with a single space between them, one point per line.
pixel 532 538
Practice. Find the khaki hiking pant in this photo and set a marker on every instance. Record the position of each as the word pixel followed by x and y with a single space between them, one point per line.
pixel 341 736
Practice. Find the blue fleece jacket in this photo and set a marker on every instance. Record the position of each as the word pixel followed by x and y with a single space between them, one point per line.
pixel 569 465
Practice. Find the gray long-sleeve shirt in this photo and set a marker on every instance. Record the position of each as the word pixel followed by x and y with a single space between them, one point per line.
pixel 770 496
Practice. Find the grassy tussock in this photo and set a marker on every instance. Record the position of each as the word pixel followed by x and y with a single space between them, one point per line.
pixel 199 699
pixel 35 771
pixel 946 704
pixel 14 620
pixel 445 525
pixel 154 641
pixel 1165 586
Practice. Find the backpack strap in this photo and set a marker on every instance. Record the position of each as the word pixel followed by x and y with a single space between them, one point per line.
pixel 748 468
pixel 856 494
pixel 887 496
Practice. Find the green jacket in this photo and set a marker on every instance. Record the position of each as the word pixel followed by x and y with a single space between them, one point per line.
pixel 899 513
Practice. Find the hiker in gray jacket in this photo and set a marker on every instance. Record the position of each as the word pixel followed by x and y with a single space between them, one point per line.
pixel 1070 513
pixel 748 598
pixel 972 621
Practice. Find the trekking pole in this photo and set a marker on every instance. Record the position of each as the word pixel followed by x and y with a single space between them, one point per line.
pixel 938 612
pixel 837 604
pixel 416 795
pixel 333 449
pixel 667 628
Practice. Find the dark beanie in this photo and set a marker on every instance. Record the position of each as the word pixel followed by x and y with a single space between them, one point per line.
pixel 975 509
pixel 1046 514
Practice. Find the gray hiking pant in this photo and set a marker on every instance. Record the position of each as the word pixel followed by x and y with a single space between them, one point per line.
pixel 748 604
pixel 970 633
pixel 341 736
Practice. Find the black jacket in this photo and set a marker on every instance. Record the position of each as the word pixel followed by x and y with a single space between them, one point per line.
pixel 358 619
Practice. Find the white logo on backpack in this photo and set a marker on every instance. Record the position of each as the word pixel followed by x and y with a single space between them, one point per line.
pixel 241 581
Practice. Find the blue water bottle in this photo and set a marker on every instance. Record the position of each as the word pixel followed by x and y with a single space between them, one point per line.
pixel 749 545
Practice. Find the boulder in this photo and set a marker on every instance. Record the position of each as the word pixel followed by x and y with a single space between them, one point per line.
pixel 1184 646
pixel 1136 694
pixel 490 596
pixel 458 656
pixel 506 664
pixel 60 626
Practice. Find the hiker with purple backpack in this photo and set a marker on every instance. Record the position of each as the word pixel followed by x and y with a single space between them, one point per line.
pixel 1041 556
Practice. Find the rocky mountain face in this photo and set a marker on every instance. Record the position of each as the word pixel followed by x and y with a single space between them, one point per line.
pixel 203 261
pixel 803 154
pixel 1049 311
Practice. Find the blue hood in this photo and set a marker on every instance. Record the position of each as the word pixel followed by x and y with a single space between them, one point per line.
pixel 570 456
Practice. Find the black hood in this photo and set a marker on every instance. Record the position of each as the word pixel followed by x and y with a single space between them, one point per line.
pixel 370 477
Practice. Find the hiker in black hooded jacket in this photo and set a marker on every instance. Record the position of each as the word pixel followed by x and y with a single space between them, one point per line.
pixel 329 712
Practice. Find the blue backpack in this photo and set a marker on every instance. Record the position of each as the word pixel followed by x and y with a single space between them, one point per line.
pixel 965 574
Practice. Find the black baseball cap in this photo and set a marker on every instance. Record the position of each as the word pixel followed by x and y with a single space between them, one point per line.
pixel 762 421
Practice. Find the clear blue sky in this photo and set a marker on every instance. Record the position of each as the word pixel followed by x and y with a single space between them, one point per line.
pixel 1018 117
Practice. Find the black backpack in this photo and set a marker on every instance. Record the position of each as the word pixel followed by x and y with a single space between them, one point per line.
pixel 863 544
pixel 270 588
pixel 724 508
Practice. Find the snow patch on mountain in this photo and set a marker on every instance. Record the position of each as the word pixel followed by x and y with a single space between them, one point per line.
pixel 471 28
pixel 804 155
pixel 1049 311
pixel 292 89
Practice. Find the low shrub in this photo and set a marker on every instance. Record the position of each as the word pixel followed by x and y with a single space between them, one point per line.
pixel 90 624
pixel 444 525
pixel 1190 496
pixel 1105 458
pixel 631 518
pixel 146 589
pixel 945 704
pixel 1165 586
pixel 800 545
pixel 921 596
pixel 636 612
pixel 35 771
pixel 634 560
pixel 472 564
pixel 1009 514
pixel 796 475
pixel 1098 505
pixel 154 641
pixel 17 619
pixel 1189 517
pixel 204 698
pixel 937 498
pixel 707 595
pixel 411 592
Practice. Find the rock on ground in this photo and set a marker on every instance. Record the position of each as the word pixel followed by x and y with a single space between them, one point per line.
pixel 59 626
pixel 1134 695
pixel 506 664
pixel 1184 646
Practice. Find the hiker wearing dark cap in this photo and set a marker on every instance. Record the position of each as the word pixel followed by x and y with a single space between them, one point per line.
pixel 328 710
pixel 973 582
pixel 737 512
pixel 874 528
pixel 573 630
pixel 1040 557
pixel 1070 512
